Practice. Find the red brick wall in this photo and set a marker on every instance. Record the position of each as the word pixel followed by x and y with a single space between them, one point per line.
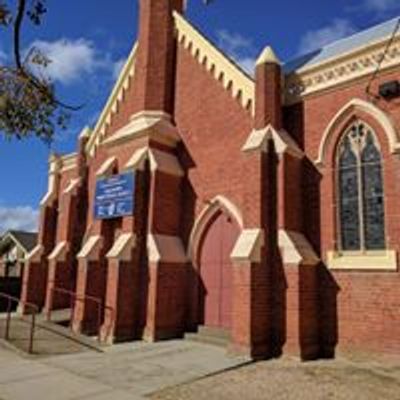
pixel 359 309
pixel 214 127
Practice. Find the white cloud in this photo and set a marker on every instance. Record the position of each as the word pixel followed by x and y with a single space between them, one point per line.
pixel 239 48
pixel 382 5
pixel 313 40
pixel 69 58
pixel 19 218
pixel 72 60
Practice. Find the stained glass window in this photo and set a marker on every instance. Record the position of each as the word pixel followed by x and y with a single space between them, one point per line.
pixel 360 190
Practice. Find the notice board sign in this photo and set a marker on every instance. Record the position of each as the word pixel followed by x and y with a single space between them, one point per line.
pixel 114 196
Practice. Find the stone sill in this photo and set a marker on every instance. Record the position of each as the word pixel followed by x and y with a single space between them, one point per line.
pixel 385 260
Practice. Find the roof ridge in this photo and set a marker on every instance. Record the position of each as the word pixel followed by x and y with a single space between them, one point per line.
pixel 352 35
pixel 370 36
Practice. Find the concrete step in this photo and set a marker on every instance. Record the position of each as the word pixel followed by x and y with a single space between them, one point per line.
pixel 61 316
pixel 216 332
pixel 214 336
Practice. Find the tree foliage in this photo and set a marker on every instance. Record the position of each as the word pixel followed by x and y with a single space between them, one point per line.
pixel 28 102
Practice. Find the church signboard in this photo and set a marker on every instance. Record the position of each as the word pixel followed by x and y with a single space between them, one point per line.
pixel 114 196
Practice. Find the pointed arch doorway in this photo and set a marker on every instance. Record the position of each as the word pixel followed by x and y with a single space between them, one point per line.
pixel 216 274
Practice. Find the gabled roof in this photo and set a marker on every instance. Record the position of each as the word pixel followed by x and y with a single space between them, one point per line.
pixel 220 66
pixel 340 47
pixel 25 240
pixel 111 106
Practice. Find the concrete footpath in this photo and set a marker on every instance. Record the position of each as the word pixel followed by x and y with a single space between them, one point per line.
pixel 124 372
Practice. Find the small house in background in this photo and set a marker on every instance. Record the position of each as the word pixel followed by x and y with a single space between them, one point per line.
pixel 14 248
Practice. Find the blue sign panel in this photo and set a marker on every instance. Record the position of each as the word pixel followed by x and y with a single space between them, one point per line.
pixel 114 196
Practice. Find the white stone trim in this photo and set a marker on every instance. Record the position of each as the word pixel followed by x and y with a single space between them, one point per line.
pixel 217 63
pixel 107 167
pixel 36 254
pixel 53 180
pixel 59 253
pixel 138 159
pixel 121 86
pixel 217 204
pixel 156 125
pixel 385 260
pixel 160 161
pixel 283 142
pixel 85 133
pixel 68 162
pixel 164 162
pixel 339 70
pixel 122 247
pixel 167 249
pixel 248 246
pixel 296 249
pixel 268 56
pixel 91 249
pixel 357 104
pixel 72 186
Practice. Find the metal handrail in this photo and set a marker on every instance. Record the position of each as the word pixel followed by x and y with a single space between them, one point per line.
pixel 75 297
pixel 35 310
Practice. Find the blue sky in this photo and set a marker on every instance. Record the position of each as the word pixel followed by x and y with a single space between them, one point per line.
pixel 89 41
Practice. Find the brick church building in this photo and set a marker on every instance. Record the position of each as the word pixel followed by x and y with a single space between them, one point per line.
pixel 265 207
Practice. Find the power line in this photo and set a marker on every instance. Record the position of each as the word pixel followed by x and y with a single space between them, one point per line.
pixel 382 58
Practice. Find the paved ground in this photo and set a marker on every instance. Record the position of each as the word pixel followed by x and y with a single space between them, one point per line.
pixel 128 371
pixel 287 379
pixel 47 342
pixel 182 370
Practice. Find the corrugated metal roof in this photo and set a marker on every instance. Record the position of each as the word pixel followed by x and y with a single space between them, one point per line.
pixel 343 46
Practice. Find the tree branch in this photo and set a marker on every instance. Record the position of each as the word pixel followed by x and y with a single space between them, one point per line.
pixel 17 32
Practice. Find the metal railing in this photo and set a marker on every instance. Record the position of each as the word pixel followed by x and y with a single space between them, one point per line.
pixel 74 298
pixel 32 307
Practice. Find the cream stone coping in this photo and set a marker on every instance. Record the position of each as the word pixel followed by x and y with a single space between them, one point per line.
pixel 53 180
pixel 218 64
pixel 385 260
pixel 165 162
pixel 60 252
pixel 91 249
pixel 296 249
pixel 248 246
pixel 107 167
pixel 167 249
pixel 343 69
pixel 368 108
pixel 283 142
pixel 36 254
pixel 86 132
pixel 217 204
pixel 138 159
pixel 159 161
pixel 156 125
pixel 121 86
pixel 72 186
pixel 268 56
pixel 68 162
pixel 122 247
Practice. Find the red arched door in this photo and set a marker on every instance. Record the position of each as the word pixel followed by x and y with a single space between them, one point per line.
pixel 216 271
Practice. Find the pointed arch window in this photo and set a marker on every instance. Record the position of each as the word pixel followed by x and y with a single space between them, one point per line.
pixel 361 214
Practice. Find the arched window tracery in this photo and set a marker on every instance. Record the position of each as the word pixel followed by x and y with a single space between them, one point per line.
pixel 360 190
